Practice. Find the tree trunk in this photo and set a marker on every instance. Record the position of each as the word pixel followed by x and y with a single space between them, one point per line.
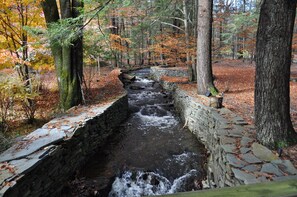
pixel 190 70
pixel 273 61
pixel 68 59
pixel 204 69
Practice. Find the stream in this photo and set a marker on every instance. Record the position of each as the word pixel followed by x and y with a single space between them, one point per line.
pixel 150 154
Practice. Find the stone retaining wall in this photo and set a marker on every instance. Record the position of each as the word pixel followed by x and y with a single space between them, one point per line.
pixel 41 163
pixel 235 158
pixel 159 72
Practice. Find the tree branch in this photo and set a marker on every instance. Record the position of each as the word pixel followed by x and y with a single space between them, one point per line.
pixel 173 26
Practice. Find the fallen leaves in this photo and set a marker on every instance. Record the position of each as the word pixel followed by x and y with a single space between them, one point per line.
pixel 236 79
pixel 7 167
pixel 175 79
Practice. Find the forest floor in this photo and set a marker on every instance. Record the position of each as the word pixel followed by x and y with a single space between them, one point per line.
pixel 99 88
pixel 236 79
pixel 233 77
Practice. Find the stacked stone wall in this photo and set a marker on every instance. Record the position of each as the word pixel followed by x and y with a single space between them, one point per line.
pixel 235 157
pixel 42 162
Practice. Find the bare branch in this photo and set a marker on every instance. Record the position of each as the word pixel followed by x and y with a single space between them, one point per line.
pixel 173 26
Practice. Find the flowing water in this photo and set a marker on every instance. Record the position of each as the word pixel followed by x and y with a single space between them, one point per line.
pixel 151 153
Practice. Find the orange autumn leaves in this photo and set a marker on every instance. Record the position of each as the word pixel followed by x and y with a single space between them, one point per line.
pixel 16 17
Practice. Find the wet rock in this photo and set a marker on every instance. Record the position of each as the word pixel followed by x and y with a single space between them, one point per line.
pixel 144 176
pixel 153 110
pixel 155 181
pixel 128 77
pixel 134 87
pixel 271 169
pixel 263 153
pixel 250 158
pixel 134 108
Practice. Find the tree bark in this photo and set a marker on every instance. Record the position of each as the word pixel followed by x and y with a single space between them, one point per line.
pixel 273 61
pixel 68 59
pixel 204 68
pixel 187 38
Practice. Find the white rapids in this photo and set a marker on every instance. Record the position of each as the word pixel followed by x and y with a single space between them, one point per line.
pixel 136 184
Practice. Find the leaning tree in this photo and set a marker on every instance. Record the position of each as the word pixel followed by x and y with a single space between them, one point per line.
pixel 273 61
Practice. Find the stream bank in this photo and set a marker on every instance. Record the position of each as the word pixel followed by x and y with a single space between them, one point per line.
pixel 151 153
pixel 235 157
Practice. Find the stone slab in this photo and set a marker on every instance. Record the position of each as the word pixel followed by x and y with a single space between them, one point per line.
pixel 33 142
pixel 235 132
pixel 234 161
pixel 12 169
pixel 245 141
pixel 229 148
pixel 285 166
pixel 263 153
pixel 3 190
pixel 245 177
pixel 244 150
pixel 5 173
pixel 271 169
pixel 31 150
pixel 250 158
pixel 52 132
pixel 263 179
pixel 228 140
pixel 239 121
pixel 252 168
pixel 225 126
pixel 222 132
pixel 285 178
pixel 224 111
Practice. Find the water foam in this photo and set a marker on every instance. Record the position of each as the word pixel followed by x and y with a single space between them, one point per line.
pixel 160 118
pixel 146 95
pixel 184 183
pixel 144 80
pixel 184 157
pixel 135 184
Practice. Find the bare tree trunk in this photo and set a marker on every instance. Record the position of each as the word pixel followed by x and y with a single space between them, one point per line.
pixel 273 61
pixel 190 70
pixel 115 30
pixel 204 68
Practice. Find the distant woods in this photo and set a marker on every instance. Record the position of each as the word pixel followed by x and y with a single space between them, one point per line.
pixel 164 32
